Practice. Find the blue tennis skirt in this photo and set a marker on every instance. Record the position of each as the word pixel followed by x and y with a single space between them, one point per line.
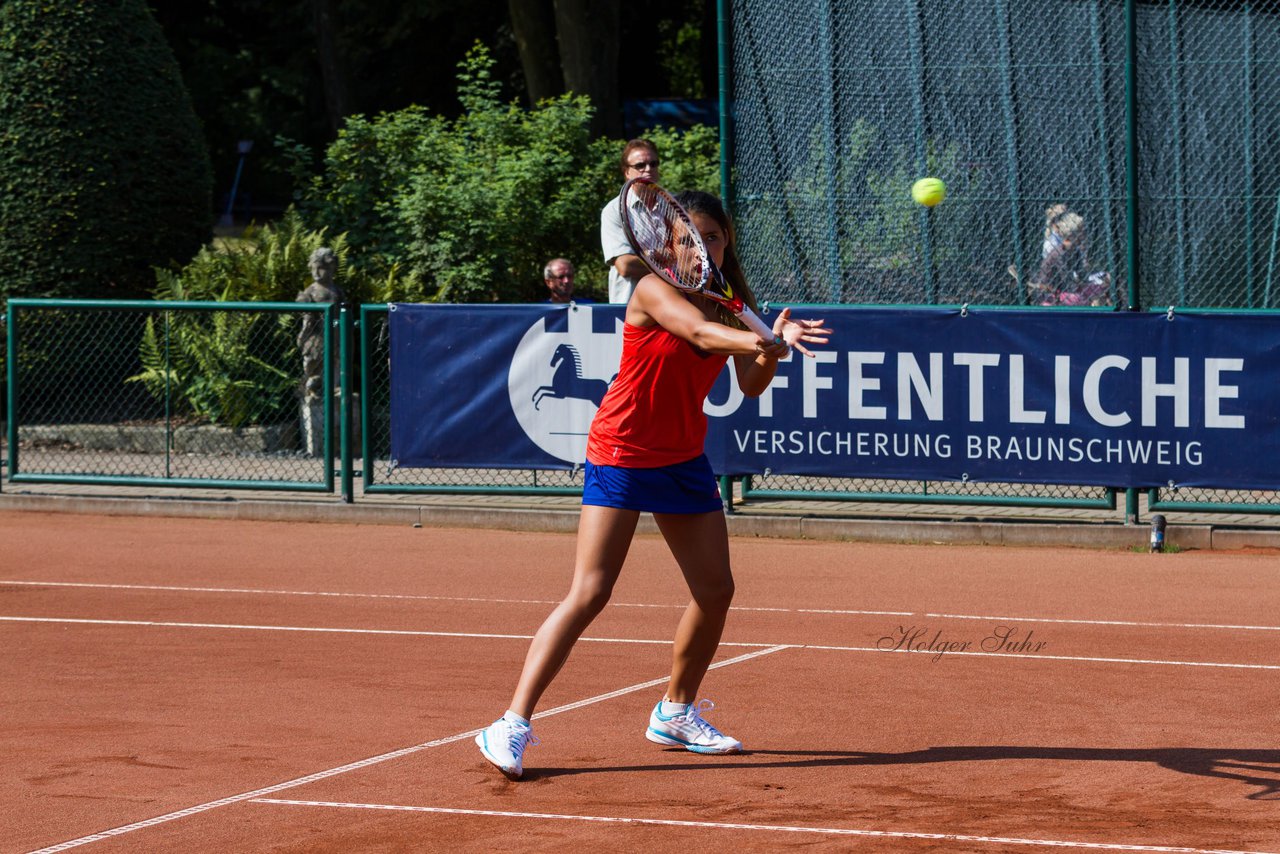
pixel 688 487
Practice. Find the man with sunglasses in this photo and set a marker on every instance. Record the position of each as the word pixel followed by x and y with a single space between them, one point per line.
pixel 639 158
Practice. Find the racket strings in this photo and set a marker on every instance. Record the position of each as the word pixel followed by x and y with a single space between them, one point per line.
pixel 666 239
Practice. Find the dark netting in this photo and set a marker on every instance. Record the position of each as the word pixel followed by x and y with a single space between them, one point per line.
pixel 1021 109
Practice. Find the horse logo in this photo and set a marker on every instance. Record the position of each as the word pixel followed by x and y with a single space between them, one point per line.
pixel 559 376
pixel 568 381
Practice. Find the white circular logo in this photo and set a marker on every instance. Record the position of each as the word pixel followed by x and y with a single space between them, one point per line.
pixel 558 379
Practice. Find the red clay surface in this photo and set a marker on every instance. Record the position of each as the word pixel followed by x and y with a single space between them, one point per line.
pixel 194 672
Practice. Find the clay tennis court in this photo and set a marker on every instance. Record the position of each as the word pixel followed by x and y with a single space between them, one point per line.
pixel 201 685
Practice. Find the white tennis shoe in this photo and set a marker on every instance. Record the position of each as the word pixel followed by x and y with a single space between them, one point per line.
pixel 503 743
pixel 687 729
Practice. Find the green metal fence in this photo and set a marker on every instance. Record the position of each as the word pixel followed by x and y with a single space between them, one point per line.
pixel 794 487
pixel 168 393
pixel 202 394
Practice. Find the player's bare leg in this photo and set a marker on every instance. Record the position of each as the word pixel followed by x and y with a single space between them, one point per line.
pixel 700 544
pixel 604 536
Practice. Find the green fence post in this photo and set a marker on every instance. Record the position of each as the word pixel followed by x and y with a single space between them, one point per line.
pixel 1175 122
pixel 168 400
pixel 921 129
pixel 11 385
pixel 1132 258
pixel 344 401
pixel 330 321
pixel 366 401
pixel 726 123
pixel 1009 111
pixel 1104 145
pixel 831 142
pixel 1247 142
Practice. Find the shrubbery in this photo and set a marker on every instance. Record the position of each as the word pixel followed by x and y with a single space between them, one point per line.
pixel 469 210
pixel 104 167
pixel 269 264
pixel 235 368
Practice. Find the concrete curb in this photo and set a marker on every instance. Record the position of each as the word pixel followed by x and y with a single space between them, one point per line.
pixel 1007 533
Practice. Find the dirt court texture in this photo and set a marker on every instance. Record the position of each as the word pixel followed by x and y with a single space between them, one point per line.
pixel 209 686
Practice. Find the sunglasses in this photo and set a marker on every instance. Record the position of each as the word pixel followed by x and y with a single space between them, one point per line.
pixel 643 164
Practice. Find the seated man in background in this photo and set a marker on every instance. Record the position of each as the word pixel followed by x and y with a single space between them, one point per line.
pixel 558 275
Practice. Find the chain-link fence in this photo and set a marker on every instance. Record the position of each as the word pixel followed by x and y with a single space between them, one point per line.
pixel 778 486
pixel 213 394
pixel 1027 112
pixel 171 393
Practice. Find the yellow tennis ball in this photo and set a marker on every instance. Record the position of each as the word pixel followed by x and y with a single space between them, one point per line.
pixel 929 191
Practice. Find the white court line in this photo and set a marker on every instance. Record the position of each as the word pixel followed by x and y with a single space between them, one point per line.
pixel 1131 623
pixel 410 596
pixel 1086 658
pixel 757 644
pixel 330 630
pixel 373 760
pixel 777 828
pixel 494 601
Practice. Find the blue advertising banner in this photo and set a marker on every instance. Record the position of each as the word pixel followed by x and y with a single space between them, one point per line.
pixel 1025 396
pixel 502 386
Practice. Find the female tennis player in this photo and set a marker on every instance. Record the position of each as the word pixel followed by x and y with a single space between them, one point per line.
pixel 645 454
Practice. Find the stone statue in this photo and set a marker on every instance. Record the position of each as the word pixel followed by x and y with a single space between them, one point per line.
pixel 324 265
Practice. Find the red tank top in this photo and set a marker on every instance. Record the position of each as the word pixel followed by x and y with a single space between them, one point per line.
pixel 652 414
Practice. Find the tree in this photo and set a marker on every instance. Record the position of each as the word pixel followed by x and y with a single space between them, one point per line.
pixel 577 46
pixel 534 24
pixel 336 99
pixel 469 209
pixel 589 39
pixel 571 46
pixel 102 159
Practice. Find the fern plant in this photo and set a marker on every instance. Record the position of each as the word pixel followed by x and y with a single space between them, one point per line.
pixel 235 367
pixel 222 367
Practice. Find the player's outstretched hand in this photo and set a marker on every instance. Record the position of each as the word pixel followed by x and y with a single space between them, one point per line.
pixel 793 332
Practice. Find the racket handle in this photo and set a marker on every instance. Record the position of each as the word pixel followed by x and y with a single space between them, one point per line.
pixel 756 325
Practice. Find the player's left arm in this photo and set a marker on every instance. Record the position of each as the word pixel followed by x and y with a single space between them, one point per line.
pixel 657 302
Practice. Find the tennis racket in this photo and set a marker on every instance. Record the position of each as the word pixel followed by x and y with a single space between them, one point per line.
pixel 665 238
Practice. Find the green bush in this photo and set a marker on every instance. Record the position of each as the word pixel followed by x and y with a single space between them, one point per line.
pixel 364 171
pixel 269 264
pixel 103 167
pixel 236 368
pixel 471 209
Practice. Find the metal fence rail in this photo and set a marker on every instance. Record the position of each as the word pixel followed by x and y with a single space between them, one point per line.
pixel 775 486
pixel 1214 500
